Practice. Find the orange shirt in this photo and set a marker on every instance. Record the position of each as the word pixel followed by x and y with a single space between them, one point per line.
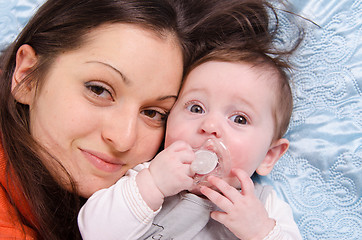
pixel 11 226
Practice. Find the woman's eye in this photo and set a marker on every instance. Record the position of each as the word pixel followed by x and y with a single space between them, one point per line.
pixel 99 91
pixel 195 108
pixel 239 119
pixel 155 115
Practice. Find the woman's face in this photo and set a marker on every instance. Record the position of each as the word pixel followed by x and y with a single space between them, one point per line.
pixel 100 110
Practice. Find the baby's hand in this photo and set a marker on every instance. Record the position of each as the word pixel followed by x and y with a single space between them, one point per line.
pixel 171 169
pixel 168 174
pixel 244 214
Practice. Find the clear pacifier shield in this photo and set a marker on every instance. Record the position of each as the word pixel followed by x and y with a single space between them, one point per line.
pixel 205 162
pixel 212 158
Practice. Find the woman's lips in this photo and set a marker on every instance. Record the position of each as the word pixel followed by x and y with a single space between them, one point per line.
pixel 101 161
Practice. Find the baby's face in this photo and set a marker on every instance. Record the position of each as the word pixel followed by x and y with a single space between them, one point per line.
pixel 232 102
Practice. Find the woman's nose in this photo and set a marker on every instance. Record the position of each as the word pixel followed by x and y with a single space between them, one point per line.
pixel 211 124
pixel 120 130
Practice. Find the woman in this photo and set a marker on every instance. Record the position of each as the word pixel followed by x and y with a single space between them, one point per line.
pixel 81 103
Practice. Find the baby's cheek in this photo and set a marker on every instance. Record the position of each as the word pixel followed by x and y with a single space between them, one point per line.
pixel 233 181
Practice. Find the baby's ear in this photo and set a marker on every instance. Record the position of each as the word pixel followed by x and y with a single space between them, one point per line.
pixel 26 59
pixel 276 150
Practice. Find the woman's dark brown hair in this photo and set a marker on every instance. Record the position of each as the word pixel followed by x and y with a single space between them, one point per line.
pixel 60 26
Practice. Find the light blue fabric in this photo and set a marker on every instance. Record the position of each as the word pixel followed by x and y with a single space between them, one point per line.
pixel 14 14
pixel 321 174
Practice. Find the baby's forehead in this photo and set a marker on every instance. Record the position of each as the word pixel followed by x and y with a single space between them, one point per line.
pixel 232 78
pixel 259 70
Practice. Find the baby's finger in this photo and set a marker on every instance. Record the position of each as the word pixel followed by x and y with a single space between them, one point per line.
pixel 220 217
pixel 218 199
pixel 189 171
pixel 227 190
pixel 247 185
pixel 188 157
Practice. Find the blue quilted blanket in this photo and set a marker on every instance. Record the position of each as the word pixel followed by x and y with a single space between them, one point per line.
pixel 321 174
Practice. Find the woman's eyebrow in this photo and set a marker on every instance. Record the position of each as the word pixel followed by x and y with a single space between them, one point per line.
pixel 124 78
pixel 167 97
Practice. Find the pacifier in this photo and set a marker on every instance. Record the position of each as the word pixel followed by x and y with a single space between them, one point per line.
pixel 212 158
pixel 205 162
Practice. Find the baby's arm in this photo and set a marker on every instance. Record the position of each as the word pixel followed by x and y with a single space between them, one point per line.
pixel 116 212
pixel 285 228
pixel 245 215
pixel 127 208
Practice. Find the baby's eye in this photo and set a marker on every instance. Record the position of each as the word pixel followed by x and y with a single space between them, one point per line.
pixel 195 108
pixel 239 119
pixel 99 90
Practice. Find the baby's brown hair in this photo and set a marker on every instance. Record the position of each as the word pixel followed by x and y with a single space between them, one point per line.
pixel 250 36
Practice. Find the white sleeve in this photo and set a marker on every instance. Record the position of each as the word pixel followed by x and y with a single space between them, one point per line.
pixel 280 211
pixel 118 212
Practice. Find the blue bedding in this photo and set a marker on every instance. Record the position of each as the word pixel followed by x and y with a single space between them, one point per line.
pixel 321 174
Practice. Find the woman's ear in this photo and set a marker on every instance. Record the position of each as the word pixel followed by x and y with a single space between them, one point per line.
pixel 26 59
pixel 276 150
